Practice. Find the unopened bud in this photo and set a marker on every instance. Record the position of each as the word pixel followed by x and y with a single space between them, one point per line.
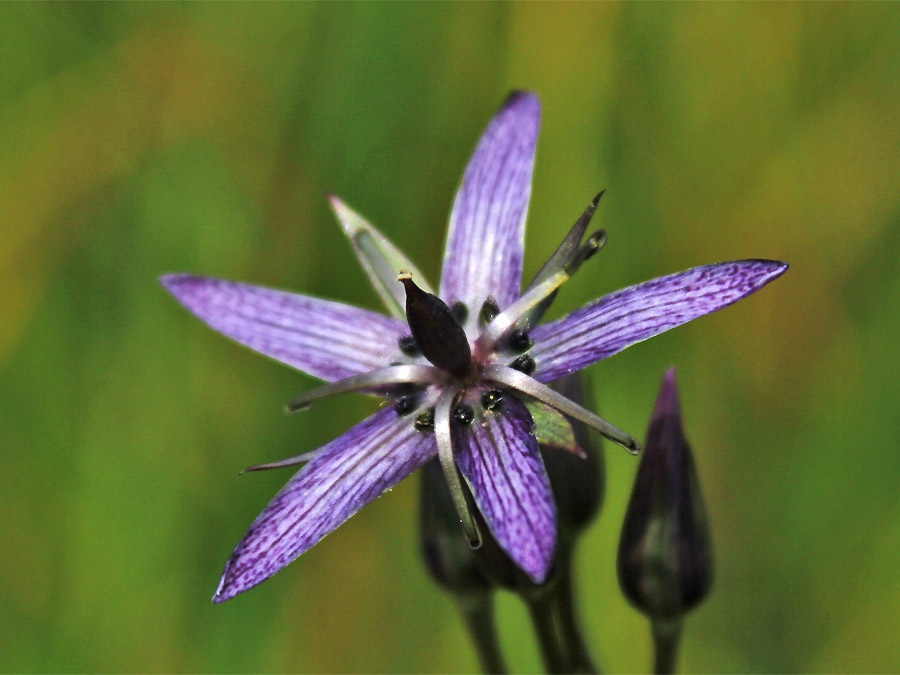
pixel 452 562
pixel 665 557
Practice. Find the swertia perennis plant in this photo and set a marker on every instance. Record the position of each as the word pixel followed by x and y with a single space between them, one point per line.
pixel 464 371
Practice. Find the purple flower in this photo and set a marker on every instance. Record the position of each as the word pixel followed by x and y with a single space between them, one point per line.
pixel 464 375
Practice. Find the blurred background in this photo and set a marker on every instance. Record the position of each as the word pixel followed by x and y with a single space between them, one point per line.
pixel 140 139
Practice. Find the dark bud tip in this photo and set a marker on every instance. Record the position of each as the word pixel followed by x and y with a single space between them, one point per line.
pixel 596 199
pixel 665 555
pixel 436 330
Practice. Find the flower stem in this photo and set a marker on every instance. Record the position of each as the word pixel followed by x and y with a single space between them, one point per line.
pixel 478 614
pixel 552 650
pixel 666 634
pixel 573 641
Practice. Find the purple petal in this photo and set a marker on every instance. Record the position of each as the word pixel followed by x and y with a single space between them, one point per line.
pixel 621 319
pixel 348 473
pixel 484 246
pixel 326 339
pixel 503 467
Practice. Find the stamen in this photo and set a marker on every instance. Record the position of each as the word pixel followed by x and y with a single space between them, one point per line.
pixel 568 256
pixel 437 332
pixel 377 378
pixel 448 464
pixel 531 387
pixel 509 317
pixel 570 244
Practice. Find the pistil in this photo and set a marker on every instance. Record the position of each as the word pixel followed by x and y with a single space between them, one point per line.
pixel 436 330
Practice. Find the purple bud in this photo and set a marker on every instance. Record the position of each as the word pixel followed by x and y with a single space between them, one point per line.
pixel 665 557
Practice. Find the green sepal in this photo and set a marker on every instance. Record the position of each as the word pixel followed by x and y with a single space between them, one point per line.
pixel 552 429
pixel 381 260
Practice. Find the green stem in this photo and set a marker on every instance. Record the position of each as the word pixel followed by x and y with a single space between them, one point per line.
pixel 552 651
pixel 573 640
pixel 666 634
pixel 478 614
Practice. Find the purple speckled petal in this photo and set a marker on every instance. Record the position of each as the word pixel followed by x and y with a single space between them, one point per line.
pixel 326 339
pixel 348 473
pixel 487 225
pixel 623 318
pixel 502 465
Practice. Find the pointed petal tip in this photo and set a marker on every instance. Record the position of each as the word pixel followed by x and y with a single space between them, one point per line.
pixel 335 201
pixel 180 283
pixel 521 97
pixel 667 402
pixel 222 594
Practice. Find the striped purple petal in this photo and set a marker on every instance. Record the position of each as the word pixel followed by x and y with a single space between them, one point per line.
pixel 623 318
pixel 502 465
pixel 483 256
pixel 348 473
pixel 326 339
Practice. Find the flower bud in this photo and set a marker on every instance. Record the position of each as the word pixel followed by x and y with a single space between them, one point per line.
pixel 451 561
pixel 665 557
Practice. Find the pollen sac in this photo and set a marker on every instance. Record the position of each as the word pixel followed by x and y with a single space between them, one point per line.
pixel 405 405
pixel 491 400
pixel 524 363
pixel 459 311
pixel 408 345
pixel 464 415
pixel 488 311
pixel 425 420
pixel 519 341
pixel 436 330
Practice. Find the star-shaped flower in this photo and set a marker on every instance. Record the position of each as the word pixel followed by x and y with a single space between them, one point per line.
pixel 464 373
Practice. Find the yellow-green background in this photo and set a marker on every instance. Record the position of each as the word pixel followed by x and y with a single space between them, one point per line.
pixel 139 139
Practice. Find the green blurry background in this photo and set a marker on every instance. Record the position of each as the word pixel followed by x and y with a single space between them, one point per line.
pixel 142 139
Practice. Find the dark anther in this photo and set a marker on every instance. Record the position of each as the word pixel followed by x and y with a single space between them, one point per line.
pixel 519 341
pixel 437 332
pixel 425 420
pixel 408 345
pixel 488 311
pixel 464 414
pixel 490 400
pixel 460 311
pixel 524 363
pixel 405 405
